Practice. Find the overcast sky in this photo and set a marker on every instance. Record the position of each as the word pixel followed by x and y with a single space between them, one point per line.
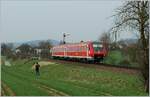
pixel 36 20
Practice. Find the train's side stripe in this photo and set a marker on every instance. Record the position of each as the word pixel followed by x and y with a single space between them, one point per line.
pixel 73 56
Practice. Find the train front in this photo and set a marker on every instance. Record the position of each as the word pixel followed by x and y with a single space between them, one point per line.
pixel 98 50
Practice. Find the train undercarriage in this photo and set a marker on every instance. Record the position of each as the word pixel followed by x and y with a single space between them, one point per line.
pixel 94 59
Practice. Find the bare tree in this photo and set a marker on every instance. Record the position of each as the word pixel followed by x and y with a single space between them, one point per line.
pixel 134 15
pixel 25 51
pixel 105 39
pixel 6 50
pixel 45 45
pixel 45 49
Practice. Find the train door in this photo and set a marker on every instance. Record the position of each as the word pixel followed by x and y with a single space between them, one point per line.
pixel 65 52
pixel 87 51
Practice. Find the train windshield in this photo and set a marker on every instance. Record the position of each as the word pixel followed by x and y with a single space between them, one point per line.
pixel 97 47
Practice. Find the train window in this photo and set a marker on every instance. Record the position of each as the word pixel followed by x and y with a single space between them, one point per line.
pixel 97 47
pixel 81 48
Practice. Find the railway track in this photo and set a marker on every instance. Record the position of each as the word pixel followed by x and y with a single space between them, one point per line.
pixel 116 68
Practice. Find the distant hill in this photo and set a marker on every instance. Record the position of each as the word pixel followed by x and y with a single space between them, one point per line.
pixel 35 43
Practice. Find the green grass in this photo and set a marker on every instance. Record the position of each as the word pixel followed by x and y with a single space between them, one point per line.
pixel 70 79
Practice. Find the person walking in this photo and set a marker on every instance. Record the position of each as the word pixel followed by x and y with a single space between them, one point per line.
pixel 37 69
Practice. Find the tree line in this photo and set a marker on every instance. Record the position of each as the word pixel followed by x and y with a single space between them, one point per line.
pixel 26 51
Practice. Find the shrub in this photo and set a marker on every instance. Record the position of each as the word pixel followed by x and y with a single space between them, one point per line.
pixel 125 62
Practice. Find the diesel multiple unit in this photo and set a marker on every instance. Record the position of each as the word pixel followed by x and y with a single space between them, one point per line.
pixel 90 51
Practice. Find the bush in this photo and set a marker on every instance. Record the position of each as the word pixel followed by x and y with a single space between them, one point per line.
pixel 125 62
pixel 114 58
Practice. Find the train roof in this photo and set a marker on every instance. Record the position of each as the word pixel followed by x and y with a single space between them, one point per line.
pixel 73 43
pixel 76 43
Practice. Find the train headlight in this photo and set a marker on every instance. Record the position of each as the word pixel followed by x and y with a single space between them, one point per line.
pixel 89 52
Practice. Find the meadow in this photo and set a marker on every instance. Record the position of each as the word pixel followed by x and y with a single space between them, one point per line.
pixel 59 79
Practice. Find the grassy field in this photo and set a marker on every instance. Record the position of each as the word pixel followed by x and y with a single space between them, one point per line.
pixel 67 79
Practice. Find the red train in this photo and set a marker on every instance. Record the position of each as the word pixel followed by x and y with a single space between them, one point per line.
pixel 89 51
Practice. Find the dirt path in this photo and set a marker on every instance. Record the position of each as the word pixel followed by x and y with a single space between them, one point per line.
pixel 6 90
pixel 51 91
pixel 7 63
pixel 44 63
